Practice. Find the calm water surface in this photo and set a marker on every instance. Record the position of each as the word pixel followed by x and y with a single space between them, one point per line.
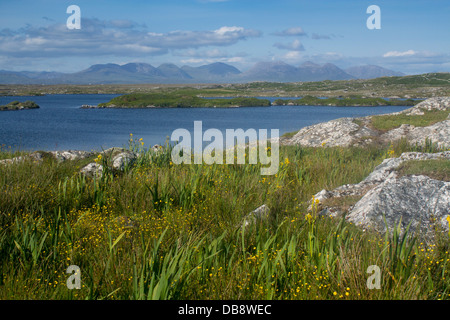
pixel 61 124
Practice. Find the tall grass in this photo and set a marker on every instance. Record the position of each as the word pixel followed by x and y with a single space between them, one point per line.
pixel 165 231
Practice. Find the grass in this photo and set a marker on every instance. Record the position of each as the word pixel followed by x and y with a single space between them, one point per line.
pixel 165 231
pixel 436 169
pixel 389 122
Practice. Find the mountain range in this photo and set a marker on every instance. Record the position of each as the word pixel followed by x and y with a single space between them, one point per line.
pixel 218 72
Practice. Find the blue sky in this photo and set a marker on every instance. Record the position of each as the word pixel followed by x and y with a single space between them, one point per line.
pixel 414 35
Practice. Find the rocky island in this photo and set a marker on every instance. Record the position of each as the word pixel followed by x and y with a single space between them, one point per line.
pixel 17 105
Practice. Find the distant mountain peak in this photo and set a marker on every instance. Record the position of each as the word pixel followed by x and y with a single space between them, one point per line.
pixel 310 64
pixel 171 70
pixel 371 71
pixel 220 68
pixel 283 72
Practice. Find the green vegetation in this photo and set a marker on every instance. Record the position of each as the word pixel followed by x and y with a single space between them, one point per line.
pixel 17 105
pixel 179 100
pixel 436 169
pixel 348 101
pixel 415 86
pixel 165 231
pixel 187 98
pixel 388 122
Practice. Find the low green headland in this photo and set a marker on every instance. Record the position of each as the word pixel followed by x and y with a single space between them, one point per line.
pixel 179 99
pixel 347 101
pixel 187 99
pixel 17 105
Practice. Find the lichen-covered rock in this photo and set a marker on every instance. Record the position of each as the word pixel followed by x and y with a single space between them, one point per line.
pixel 60 156
pixel 258 215
pixel 116 159
pixel 438 133
pixel 92 170
pixel 70 155
pixel 437 103
pixel 122 160
pixel 384 171
pixel 347 132
pixel 340 132
pixel 418 200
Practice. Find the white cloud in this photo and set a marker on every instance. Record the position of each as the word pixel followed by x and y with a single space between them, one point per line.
pixel 294 31
pixel 225 30
pixel 292 56
pixel 116 37
pixel 316 36
pixel 399 54
pixel 296 45
pixel 206 60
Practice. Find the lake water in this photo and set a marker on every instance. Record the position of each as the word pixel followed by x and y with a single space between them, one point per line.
pixel 61 124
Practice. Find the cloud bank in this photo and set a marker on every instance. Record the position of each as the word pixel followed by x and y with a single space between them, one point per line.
pixel 115 37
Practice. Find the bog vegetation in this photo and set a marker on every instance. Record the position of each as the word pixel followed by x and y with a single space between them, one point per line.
pixel 164 231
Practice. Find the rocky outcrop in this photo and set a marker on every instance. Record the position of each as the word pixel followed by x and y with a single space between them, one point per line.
pixel 437 103
pixel 92 170
pixel 438 133
pixel 346 132
pixel 70 155
pixel 416 199
pixel 117 159
pixel 60 156
pixel 260 214
pixel 340 132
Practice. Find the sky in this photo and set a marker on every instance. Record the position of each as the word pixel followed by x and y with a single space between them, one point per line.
pixel 413 36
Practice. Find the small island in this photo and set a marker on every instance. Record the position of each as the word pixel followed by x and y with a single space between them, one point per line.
pixel 180 100
pixel 192 99
pixel 17 105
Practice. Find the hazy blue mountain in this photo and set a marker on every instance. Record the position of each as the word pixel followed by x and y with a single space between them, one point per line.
pixel 283 72
pixel 212 72
pixel 28 77
pixel 276 71
pixel 12 77
pixel 113 73
pixel 169 70
pixel 143 68
pixel 371 71
pixel 310 64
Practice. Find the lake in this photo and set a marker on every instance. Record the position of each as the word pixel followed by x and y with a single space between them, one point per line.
pixel 61 124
